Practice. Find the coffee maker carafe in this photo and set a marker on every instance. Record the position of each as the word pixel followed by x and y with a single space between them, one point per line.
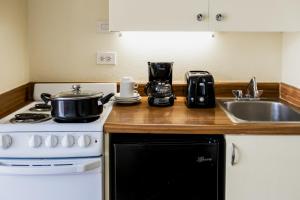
pixel 159 88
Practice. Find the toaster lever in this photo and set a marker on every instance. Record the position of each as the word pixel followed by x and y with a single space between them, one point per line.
pixel 202 89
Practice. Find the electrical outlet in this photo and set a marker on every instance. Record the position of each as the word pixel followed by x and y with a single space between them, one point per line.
pixel 106 58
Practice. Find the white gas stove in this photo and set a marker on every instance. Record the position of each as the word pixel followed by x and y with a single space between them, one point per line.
pixel 40 158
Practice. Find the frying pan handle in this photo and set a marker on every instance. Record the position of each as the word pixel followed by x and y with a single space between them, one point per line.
pixel 106 98
pixel 46 97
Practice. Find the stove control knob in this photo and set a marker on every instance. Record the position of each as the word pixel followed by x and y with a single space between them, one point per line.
pixel 5 141
pixel 84 141
pixel 68 141
pixel 51 141
pixel 35 141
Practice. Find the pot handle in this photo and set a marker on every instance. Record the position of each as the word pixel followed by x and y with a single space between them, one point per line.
pixel 46 97
pixel 106 98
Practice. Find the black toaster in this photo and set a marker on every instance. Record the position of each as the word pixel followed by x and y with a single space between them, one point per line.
pixel 200 92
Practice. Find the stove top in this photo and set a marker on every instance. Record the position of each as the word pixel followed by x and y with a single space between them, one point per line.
pixel 10 122
pixel 21 136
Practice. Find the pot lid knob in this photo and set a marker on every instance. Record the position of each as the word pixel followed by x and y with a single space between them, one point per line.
pixel 76 87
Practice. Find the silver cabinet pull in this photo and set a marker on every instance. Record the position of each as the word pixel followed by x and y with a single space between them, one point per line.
pixel 200 17
pixel 219 17
pixel 234 155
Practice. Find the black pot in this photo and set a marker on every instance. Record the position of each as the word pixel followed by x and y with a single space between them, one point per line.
pixel 76 106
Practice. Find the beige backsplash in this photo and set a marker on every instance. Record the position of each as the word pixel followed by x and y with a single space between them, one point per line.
pixel 291 59
pixel 64 42
pixel 14 64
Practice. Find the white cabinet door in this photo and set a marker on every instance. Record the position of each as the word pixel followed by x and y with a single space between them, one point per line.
pixel 267 168
pixel 158 15
pixel 255 15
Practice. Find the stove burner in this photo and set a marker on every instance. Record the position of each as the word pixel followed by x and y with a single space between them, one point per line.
pixel 30 118
pixel 41 107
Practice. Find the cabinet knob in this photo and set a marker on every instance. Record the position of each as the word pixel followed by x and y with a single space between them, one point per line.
pixel 219 17
pixel 200 17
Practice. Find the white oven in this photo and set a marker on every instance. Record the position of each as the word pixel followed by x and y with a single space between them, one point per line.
pixel 51 179
pixel 46 160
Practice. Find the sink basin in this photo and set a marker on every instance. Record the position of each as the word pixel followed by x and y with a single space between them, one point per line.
pixel 259 111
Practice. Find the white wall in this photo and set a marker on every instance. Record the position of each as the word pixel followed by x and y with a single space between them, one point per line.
pixel 64 42
pixel 14 66
pixel 291 59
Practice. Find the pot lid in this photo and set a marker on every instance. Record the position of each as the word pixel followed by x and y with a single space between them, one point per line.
pixel 77 94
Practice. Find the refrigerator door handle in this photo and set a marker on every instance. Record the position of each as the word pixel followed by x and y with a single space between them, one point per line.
pixel 53 169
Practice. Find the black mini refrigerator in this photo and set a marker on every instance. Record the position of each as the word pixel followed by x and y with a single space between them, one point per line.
pixel 167 167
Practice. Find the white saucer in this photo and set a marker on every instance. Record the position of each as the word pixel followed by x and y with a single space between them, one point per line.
pixel 128 100
pixel 135 96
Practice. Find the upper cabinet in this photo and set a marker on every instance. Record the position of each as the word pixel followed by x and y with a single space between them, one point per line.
pixel 255 15
pixel 204 15
pixel 158 15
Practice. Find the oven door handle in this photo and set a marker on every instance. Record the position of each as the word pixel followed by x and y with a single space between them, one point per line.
pixel 49 170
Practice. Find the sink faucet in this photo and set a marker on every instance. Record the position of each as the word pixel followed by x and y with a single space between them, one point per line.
pixel 252 93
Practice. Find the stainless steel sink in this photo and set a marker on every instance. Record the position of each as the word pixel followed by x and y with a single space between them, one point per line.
pixel 259 111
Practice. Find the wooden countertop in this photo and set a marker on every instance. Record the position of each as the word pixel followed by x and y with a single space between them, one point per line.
pixel 142 118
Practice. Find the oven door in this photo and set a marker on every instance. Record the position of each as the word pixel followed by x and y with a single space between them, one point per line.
pixel 51 179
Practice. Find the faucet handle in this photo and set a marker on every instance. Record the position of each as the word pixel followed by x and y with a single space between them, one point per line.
pixel 238 94
pixel 259 93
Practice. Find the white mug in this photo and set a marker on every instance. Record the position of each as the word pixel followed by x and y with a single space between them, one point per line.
pixel 127 87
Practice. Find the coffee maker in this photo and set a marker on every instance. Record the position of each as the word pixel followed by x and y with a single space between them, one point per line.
pixel 159 88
